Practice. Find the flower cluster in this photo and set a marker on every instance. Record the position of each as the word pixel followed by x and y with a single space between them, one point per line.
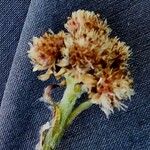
pixel 87 53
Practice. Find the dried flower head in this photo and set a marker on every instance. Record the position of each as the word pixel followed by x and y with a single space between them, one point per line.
pixel 83 21
pixel 45 51
pixel 86 52
pixel 112 87
pixel 83 57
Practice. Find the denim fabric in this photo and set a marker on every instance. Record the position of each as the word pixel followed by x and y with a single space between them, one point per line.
pixel 12 17
pixel 21 114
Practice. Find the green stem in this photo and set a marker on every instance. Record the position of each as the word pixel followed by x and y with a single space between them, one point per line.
pixel 72 93
pixel 52 141
pixel 83 106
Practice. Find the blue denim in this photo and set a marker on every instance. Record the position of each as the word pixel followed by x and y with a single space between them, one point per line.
pixel 22 114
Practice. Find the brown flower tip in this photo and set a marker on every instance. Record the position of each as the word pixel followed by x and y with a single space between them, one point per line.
pixel 83 58
pixel 85 20
pixel 111 88
pixel 45 50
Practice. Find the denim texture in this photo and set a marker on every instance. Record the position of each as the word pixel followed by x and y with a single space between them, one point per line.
pixel 22 114
pixel 12 17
